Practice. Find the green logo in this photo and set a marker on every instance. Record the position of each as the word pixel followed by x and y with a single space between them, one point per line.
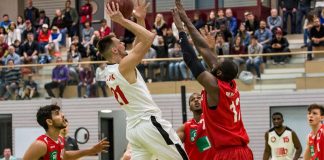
pixel 53 155
pixel 193 134
pixel 203 144
pixel 312 151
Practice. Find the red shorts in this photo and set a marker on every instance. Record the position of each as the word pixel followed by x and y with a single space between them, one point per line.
pixel 234 153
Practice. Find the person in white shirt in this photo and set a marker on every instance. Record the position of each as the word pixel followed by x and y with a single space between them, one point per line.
pixel 148 134
pixel 101 78
pixel 281 143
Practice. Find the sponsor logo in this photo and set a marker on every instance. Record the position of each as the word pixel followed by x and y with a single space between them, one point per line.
pixel 273 139
pixel 193 134
pixel 286 139
pixel 52 147
pixel 280 152
pixel 53 155
pixel 229 94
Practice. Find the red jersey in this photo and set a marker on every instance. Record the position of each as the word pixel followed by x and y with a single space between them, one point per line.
pixel 224 124
pixel 316 144
pixel 55 150
pixel 196 143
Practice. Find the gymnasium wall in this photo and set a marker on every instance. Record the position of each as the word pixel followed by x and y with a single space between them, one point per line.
pixel 84 112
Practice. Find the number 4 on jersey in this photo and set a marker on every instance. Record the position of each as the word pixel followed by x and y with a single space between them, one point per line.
pixel 237 116
pixel 118 93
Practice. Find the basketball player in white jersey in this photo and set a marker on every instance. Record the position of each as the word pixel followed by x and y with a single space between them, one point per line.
pixel 149 135
pixel 281 143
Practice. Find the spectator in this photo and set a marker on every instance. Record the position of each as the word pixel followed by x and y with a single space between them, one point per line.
pixel 289 7
pixel 254 48
pixel 29 29
pixel 221 20
pixel 316 35
pixel 231 20
pixel 81 49
pixel 43 19
pixel 227 35
pixel 21 24
pixel 168 37
pixel 72 18
pixel 31 13
pixel 87 80
pixel 6 21
pixel 54 42
pixel 238 49
pixel 245 36
pixel 161 52
pixel 104 29
pixel 159 24
pixel 74 57
pixel 12 55
pixel 13 33
pixel 198 20
pixel 30 50
pixel 18 47
pixel 308 24
pixel 303 11
pixel 279 44
pixel 222 47
pixel 174 72
pixel 251 24
pixel 70 143
pixel 264 36
pixel 2 84
pixel 7 155
pixel 12 78
pixel 30 88
pixel 101 78
pixel 3 48
pixel 60 22
pixel 211 20
pixel 87 33
pixel 3 31
pixel 274 20
pixel 85 13
pixel 150 66
pixel 60 76
pixel 44 36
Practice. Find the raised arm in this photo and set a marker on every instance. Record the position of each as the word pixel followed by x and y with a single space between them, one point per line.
pixel 205 78
pixel 100 147
pixel 202 46
pixel 127 64
pixel 140 11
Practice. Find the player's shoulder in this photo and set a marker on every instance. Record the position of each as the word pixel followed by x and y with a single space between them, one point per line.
pixel 271 130
pixel 289 129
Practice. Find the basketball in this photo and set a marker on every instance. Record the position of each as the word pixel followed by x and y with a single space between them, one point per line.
pixel 125 6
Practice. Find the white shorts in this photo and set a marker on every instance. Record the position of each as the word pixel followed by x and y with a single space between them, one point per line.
pixel 155 138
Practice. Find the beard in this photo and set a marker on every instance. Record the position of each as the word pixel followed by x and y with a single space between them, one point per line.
pixel 59 125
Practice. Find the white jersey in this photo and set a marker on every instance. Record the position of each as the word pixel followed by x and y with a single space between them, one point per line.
pixel 135 99
pixel 282 146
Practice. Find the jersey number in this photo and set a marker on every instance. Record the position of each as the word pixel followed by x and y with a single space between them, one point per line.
pixel 237 116
pixel 118 93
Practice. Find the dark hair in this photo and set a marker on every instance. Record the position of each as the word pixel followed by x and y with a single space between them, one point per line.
pixel 105 44
pixel 277 114
pixel 229 70
pixel 254 37
pixel 103 21
pixel 45 113
pixel 4 30
pixel 316 106
pixel 42 11
pixel 5 15
pixel 192 96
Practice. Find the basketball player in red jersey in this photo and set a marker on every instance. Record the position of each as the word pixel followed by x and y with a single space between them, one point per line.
pixel 196 145
pixel 50 146
pixel 220 99
pixel 315 144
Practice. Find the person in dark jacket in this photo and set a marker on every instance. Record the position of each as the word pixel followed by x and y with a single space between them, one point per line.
pixel 289 8
pixel 31 13
pixel 43 19
pixel 279 44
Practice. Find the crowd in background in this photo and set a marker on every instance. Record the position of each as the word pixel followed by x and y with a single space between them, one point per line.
pixel 34 38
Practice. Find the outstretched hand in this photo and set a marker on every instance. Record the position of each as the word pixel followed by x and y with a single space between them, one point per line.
pixel 181 11
pixel 100 147
pixel 140 9
pixel 176 19
pixel 113 12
